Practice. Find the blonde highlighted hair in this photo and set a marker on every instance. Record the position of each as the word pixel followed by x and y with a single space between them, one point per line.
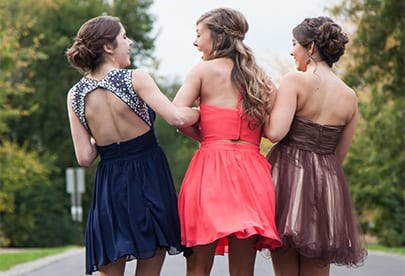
pixel 228 28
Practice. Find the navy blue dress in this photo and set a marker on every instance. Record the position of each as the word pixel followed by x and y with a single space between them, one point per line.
pixel 133 211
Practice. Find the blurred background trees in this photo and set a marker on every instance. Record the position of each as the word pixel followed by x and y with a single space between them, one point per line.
pixel 375 69
pixel 35 142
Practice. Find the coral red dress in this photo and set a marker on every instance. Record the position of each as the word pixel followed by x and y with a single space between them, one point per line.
pixel 227 188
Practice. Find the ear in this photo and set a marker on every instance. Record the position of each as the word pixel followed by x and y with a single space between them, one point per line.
pixel 108 48
pixel 311 48
pixel 220 39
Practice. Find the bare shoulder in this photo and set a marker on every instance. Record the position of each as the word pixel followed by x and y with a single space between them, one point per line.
pixel 294 80
pixel 206 69
pixel 207 66
pixel 348 91
pixel 139 73
pixel 294 77
pixel 198 69
pixel 141 79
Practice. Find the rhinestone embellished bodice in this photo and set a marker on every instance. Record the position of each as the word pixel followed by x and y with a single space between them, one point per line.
pixel 117 81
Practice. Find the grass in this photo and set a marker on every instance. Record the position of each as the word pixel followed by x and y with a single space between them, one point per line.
pixel 10 259
pixel 377 247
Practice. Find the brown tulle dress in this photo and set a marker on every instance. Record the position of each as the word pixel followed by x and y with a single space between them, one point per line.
pixel 314 211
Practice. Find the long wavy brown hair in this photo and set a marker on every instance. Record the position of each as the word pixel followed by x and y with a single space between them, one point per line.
pixel 228 28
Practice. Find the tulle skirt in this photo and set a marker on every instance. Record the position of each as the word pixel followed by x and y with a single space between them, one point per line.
pixel 226 190
pixel 315 214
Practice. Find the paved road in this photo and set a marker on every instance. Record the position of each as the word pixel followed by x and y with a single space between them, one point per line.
pixel 71 263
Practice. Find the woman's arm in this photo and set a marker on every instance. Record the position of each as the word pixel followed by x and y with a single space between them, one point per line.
pixel 193 132
pixel 84 144
pixel 150 93
pixel 283 110
pixel 343 146
pixel 187 95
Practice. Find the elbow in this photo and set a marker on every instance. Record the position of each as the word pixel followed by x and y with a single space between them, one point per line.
pixel 274 137
pixel 178 123
pixel 183 121
pixel 84 162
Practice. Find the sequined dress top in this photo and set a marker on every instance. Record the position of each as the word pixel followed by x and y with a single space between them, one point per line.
pixel 119 82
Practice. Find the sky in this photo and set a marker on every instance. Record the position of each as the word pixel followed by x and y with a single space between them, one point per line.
pixel 269 35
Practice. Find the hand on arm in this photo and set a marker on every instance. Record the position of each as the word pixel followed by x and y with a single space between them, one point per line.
pixel 150 93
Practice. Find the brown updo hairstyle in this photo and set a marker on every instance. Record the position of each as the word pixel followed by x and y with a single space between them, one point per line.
pixel 87 51
pixel 326 35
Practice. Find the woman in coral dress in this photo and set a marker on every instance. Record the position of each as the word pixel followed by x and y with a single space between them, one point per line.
pixel 226 201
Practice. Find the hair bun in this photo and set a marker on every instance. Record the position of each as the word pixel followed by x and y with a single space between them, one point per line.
pixel 331 42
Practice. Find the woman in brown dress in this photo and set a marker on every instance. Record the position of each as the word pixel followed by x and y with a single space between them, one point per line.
pixel 313 120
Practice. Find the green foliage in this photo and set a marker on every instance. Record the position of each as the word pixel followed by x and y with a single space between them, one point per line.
pixel 34 80
pixel 14 62
pixel 375 164
pixel 179 148
pixel 26 210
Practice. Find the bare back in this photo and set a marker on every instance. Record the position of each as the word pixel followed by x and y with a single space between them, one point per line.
pixel 323 98
pixel 320 97
pixel 110 119
pixel 216 85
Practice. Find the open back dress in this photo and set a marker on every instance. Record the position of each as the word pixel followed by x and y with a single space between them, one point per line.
pixel 133 209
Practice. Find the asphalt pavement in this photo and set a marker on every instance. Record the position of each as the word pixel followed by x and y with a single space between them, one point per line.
pixel 71 263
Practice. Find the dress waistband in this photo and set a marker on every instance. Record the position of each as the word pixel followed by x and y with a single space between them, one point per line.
pixel 226 145
pixel 133 147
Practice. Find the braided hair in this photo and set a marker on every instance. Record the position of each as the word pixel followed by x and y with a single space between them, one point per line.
pixel 228 28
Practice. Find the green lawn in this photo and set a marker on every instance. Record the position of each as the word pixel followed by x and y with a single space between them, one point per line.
pixel 395 250
pixel 10 259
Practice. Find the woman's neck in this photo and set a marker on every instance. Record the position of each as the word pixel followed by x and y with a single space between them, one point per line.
pixel 317 66
pixel 100 72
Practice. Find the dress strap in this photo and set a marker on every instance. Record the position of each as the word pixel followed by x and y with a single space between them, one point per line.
pixel 240 95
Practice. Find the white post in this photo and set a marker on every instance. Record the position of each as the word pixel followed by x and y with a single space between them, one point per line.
pixel 75 181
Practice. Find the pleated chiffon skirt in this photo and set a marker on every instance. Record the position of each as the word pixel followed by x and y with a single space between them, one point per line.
pixel 226 190
pixel 133 210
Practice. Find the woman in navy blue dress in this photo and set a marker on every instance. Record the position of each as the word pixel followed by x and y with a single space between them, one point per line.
pixel 133 213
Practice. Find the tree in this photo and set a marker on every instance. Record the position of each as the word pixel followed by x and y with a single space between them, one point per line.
pixel 23 174
pixel 35 64
pixel 375 164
